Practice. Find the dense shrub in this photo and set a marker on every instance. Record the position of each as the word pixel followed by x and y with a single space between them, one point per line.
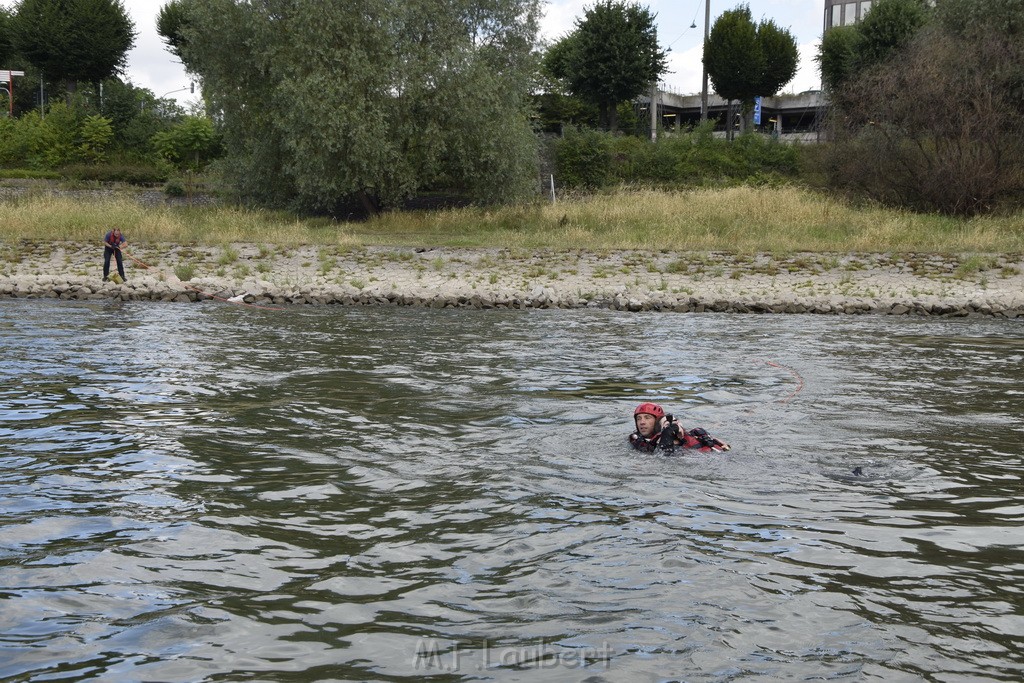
pixel 94 135
pixel 935 121
pixel 631 158
pixel 174 187
pixel 590 159
pixel 56 139
pixel 941 128
pixel 190 144
pixel 65 136
pixel 583 158
pixel 21 140
pixel 80 142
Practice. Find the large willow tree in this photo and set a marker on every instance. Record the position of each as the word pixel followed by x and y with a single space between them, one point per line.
pixel 326 101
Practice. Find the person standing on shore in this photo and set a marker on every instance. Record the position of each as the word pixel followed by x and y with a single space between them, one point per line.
pixel 112 242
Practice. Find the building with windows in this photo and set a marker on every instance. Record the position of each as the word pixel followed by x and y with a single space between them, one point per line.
pixel 844 13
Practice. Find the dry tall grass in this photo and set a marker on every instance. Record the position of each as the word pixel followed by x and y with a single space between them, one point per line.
pixel 740 220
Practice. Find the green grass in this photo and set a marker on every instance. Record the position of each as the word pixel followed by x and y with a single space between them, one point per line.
pixel 973 265
pixel 737 220
pixel 185 272
pixel 228 255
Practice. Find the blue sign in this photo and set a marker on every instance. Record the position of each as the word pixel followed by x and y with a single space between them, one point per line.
pixel 757 111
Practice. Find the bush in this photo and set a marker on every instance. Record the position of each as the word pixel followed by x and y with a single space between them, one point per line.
pixel 668 160
pixel 190 144
pixel 65 136
pixel 94 134
pixel 631 158
pixel 590 159
pixel 174 188
pixel 583 158
pixel 21 139
pixel 702 158
pixel 56 140
pixel 757 154
pixel 185 272
pixel 938 129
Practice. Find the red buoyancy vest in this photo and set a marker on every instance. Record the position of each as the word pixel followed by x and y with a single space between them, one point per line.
pixel 688 440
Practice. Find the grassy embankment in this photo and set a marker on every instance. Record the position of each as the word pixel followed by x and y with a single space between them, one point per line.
pixel 737 220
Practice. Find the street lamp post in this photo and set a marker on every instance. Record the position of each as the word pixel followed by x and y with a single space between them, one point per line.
pixel 704 57
pixel 191 88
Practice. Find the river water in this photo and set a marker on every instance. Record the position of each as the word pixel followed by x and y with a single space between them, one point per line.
pixel 211 493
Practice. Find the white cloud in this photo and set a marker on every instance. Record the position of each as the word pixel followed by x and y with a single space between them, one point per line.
pixel 807 76
pixel 560 18
pixel 150 64
pixel 686 71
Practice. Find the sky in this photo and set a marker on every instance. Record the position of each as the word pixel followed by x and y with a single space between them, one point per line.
pixel 152 66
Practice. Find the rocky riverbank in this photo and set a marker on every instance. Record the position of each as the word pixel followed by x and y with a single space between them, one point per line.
pixel 905 284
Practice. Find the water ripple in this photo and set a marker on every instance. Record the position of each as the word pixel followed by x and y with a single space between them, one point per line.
pixel 205 493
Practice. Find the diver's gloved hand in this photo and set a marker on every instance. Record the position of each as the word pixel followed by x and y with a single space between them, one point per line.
pixel 703 438
pixel 706 440
pixel 670 431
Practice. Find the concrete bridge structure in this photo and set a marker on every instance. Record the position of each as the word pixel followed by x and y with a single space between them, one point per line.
pixel 798 116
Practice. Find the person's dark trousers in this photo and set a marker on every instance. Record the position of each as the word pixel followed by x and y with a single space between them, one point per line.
pixel 107 251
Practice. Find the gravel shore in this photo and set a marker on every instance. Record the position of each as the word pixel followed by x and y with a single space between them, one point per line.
pixel 904 284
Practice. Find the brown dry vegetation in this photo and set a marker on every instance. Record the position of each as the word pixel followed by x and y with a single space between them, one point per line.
pixel 738 219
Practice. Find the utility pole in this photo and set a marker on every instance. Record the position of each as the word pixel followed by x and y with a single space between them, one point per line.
pixel 654 112
pixel 704 56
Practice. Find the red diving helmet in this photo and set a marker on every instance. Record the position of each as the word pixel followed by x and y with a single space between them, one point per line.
pixel 650 409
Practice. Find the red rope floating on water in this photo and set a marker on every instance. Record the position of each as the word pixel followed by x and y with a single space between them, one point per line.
pixel 200 291
pixel 799 380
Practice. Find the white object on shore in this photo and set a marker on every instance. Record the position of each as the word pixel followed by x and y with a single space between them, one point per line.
pixel 240 299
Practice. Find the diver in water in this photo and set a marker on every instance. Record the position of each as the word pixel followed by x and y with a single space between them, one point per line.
pixel 655 429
